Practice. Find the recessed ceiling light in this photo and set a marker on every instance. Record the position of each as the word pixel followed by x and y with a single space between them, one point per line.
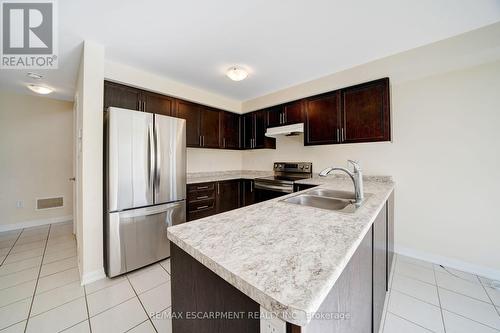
pixel 40 89
pixel 34 75
pixel 236 73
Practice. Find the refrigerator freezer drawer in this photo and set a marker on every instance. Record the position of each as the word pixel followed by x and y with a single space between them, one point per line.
pixel 136 238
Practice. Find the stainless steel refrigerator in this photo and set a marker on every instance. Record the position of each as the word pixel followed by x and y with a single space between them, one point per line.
pixel 145 187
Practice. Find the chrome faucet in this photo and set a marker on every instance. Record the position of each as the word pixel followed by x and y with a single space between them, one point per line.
pixel 356 177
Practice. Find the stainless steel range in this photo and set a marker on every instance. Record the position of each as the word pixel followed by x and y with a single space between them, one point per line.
pixel 285 175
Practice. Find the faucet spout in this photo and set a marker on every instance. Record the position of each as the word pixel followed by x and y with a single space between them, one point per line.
pixel 356 177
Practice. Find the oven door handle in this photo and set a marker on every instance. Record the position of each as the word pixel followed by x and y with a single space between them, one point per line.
pixel 284 188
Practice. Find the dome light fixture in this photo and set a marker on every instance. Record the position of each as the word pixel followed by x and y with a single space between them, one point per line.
pixel 237 73
pixel 42 90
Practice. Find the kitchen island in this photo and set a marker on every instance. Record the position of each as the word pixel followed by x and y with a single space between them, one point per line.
pixel 315 270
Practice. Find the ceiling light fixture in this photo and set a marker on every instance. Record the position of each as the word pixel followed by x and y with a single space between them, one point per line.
pixel 236 73
pixel 34 75
pixel 40 89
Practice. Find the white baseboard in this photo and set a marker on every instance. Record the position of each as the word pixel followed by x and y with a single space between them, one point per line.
pixel 487 272
pixel 35 223
pixel 93 276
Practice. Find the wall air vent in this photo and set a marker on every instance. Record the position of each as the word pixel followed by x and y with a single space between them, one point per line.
pixel 49 203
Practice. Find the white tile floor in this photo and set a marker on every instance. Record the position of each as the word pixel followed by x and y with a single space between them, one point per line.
pixel 40 289
pixel 40 292
pixel 425 297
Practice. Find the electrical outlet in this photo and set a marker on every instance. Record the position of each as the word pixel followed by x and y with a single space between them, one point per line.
pixel 19 204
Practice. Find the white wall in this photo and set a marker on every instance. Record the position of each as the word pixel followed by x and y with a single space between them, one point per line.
pixel 445 158
pixel 203 160
pixel 36 142
pixel 89 99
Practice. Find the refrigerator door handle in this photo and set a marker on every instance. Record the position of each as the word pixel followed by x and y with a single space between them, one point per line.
pixel 151 155
pixel 158 158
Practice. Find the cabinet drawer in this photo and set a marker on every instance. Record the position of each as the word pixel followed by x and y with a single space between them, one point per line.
pixel 197 206
pixel 201 187
pixel 201 195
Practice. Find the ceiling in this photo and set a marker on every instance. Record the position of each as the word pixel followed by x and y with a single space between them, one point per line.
pixel 281 43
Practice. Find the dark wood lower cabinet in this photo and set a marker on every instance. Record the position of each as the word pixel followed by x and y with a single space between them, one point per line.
pixel 390 236
pixel 196 289
pixel 350 298
pixel 379 266
pixel 201 200
pixel 247 192
pixel 228 195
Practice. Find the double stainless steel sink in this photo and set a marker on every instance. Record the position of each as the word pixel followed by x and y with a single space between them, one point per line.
pixel 342 201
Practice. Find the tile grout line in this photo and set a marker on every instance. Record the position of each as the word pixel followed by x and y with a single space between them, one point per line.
pixel 114 306
pixel 439 299
pixel 143 307
pixel 38 278
pixel 473 320
pixel 408 320
pixel 491 299
pixel 87 307
pixel 10 250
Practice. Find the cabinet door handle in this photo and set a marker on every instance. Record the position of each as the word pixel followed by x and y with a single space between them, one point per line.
pixel 202 207
pixel 224 142
pixel 281 118
pixel 200 140
pixel 218 188
pixel 251 186
pixel 342 134
pixel 338 135
pixel 202 187
pixel 144 105
pixel 202 197
pixel 203 140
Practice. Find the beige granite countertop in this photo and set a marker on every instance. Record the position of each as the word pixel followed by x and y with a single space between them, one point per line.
pixel 285 257
pixel 203 177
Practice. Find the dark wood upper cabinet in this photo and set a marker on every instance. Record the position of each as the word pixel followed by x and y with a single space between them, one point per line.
pixel 260 139
pixel 121 96
pixel 159 104
pixel 229 130
pixel 286 114
pixel 366 112
pixel 247 130
pixel 322 125
pixel 254 126
pixel 293 112
pixel 275 116
pixel 228 195
pixel 190 112
pixel 209 127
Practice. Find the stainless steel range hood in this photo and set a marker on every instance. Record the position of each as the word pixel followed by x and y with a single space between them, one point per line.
pixel 288 130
